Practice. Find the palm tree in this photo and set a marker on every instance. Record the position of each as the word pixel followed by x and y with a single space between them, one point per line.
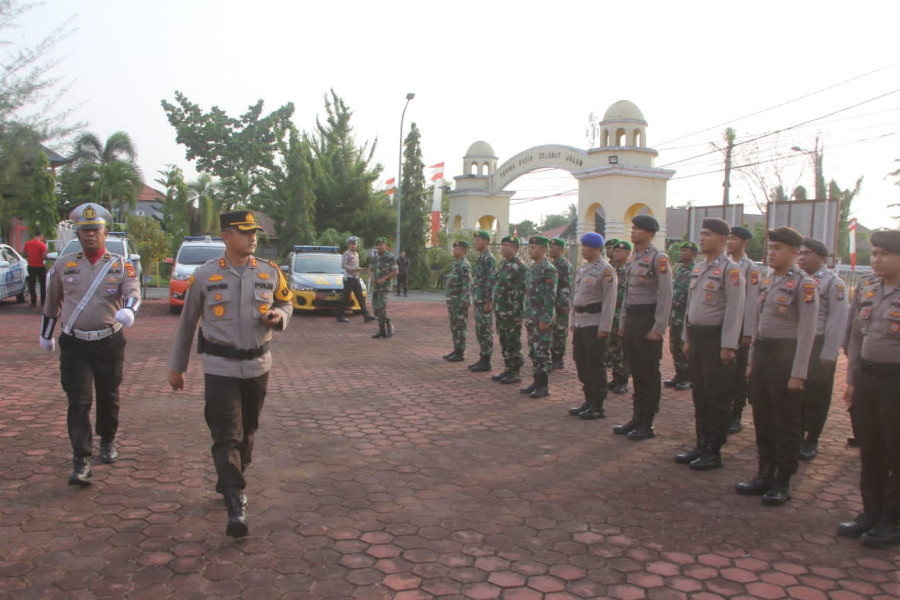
pixel 111 167
pixel 204 191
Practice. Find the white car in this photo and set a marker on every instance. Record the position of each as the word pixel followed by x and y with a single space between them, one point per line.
pixel 194 251
pixel 13 273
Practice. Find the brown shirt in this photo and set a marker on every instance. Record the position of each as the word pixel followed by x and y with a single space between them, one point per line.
pixel 716 298
pixel 875 336
pixel 595 284
pixel 832 321
pixel 648 280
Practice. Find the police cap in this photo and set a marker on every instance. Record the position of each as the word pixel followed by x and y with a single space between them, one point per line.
pixel 241 220
pixel 90 216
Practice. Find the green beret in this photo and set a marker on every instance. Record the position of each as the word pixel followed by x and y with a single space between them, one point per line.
pixel 786 235
pixel 886 239
pixel 690 246
pixel 512 239
pixel 622 245
pixel 381 240
pixel 461 244
pixel 558 242
pixel 612 242
pixel 645 222
pixel 481 233
pixel 538 240
pixel 816 246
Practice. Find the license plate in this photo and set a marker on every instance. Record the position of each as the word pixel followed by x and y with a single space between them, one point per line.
pixel 332 296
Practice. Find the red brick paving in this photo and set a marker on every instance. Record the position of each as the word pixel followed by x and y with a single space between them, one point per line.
pixel 384 472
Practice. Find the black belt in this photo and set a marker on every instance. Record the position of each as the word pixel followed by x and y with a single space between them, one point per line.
pixel 774 342
pixel 881 369
pixel 705 329
pixel 204 346
pixel 640 309
pixel 592 308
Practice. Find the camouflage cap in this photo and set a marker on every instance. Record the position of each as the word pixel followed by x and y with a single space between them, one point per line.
pixel 538 240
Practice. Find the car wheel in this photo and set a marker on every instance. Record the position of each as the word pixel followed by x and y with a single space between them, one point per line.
pixel 174 309
pixel 22 296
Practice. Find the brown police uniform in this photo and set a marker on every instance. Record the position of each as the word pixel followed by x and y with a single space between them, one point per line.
pixel 753 275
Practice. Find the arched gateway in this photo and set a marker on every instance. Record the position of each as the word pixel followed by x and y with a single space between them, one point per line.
pixel 616 181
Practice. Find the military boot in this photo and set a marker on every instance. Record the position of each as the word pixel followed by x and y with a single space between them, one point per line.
pixel 556 362
pixel 760 484
pixel 779 492
pixel 809 448
pixel 711 459
pixel 577 410
pixel 501 375
pixel 81 471
pixel 237 514
pixel 512 376
pixel 541 386
pixel 644 429
pixel 595 410
pixel 686 458
pixel 529 388
pixel 735 426
pixel 457 356
pixel 381 333
pixel 389 330
pixel 628 427
pixel 483 364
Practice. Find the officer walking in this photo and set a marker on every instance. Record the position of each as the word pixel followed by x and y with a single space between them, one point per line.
pixel 457 290
pixel 350 265
pixel 563 298
pixel 238 300
pixel 540 300
pixel 831 328
pixel 648 302
pixel 384 269
pixel 482 298
pixel 753 276
pixel 715 307
pixel 621 252
pixel 873 381
pixel 593 305
pixel 681 280
pixel 779 362
pixel 94 294
pixel 509 294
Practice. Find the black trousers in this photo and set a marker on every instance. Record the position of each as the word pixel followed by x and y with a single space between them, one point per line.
pixel 643 357
pixel 402 283
pixel 876 408
pixel 88 368
pixel 739 389
pixel 232 414
pixel 352 286
pixel 37 275
pixel 710 385
pixel 818 391
pixel 777 411
pixel 589 355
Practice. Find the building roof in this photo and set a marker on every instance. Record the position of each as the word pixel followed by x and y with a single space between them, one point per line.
pixel 480 149
pixel 148 194
pixel 623 110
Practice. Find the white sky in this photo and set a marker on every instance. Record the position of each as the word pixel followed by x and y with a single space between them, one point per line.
pixel 513 74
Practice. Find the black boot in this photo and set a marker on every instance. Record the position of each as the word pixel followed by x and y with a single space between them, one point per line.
pixel 779 492
pixel 858 526
pixel 809 449
pixel 456 356
pixel 368 318
pixel 643 430
pixel 529 388
pixel 556 362
pixel 501 375
pixel 683 385
pixel 628 427
pixel 735 426
pixel 577 410
pixel 541 386
pixel 381 333
pixel 449 354
pixel 711 459
pixel 672 382
pixel 81 471
pixel 595 410
pixel 760 484
pixel 619 386
pixel 686 458
pixel 483 364
pixel 342 319
pixel 511 377
pixel 389 330
pixel 237 514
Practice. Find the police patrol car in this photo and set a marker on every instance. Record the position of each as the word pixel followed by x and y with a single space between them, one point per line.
pixel 316 278
pixel 13 271
pixel 194 251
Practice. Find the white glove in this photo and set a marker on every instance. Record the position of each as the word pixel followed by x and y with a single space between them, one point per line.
pixel 125 316
pixel 48 345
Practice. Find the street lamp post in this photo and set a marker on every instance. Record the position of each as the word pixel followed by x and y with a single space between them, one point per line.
pixel 820 192
pixel 409 97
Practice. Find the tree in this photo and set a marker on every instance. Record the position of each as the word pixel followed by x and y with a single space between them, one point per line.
pixel 203 191
pixel 19 148
pixel 150 241
pixel 178 212
pixel 105 173
pixel 525 228
pixel 896 175
pixel 414 210
pixel 799 193
pixel 43 212
pixel 844 198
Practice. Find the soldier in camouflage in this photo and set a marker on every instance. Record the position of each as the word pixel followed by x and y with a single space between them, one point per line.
pixel 457 290
pixel 540 303
pixel 620 371
pixel 482 297
pixel 610 249
pixel 563 298
pixel 681 283
pixel 509 294
pixel 384 269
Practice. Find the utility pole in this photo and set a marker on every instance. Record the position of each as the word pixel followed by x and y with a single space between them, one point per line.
pixel 730 136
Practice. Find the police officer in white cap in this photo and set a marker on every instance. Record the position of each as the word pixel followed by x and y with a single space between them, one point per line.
pixel 93 293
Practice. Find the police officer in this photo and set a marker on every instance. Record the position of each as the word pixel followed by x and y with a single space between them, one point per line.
pixel 779 362
pixel 563 298
pixel 621 252
pixel 482 298
pixel 830 331
pixel 402 273
pixel 753 276
pixel 457 290
pixel 94 294
pixel 384 269
pixel 687 254
pixel 350 265
pixel 509 294
pixel 873 390
pixel 712 332
pixel 540 302
pixel 648 302
pixel 593 308
pixel 238 300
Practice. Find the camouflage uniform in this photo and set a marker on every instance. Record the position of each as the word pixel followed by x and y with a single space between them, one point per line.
pixel 563 297
pixel 540 300
pixel 482 293
pixel 682 282
pixel 620 370
pixel 382 265
pixel 509 293
pixel 457 290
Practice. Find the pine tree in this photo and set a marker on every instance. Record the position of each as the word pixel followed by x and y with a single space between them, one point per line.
pixel 43 210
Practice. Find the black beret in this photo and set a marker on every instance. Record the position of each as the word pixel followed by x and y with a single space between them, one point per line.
pixel 741 232
pixel 645 222
pixel 786 235
pixel 887 239
pixel 716 225
pixel 816 246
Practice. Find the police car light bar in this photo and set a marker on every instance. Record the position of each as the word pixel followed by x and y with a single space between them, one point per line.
pixel 201 238
pixel 331 249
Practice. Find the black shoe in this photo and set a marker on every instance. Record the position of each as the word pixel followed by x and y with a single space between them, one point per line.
pixel 511 377
pixel 620 388
pixel 808 450
pixel 777 495
pixel 237 516
pixel 755 487
pixel 707 462
pixel 671 382
pixel 683 385
pixel 577 410
pixel 736 426
pixel 81 472
pixel 483 365
pixel 686 458
pixel 343 320
pixel 643 431
pixel 593 413
pixel 626 428
pixel 381 333
pixel 245 501
pixel 389 331
pixel 499 376
pixel 855 528
pixel 456 357
pixel 883 536
pixel 528 388
pixel 448 355
pixel 540 392
pixel 108 453
pixel 369 318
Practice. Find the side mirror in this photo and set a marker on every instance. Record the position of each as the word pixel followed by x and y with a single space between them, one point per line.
pixel 169 260
pixel 52 255
pixel 285 269
pixel 134 257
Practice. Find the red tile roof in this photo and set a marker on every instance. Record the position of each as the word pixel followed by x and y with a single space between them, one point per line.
pixel 148 194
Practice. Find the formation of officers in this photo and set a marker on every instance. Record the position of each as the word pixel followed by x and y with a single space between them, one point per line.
pixel 737 330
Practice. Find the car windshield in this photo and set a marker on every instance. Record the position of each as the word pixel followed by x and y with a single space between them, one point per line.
pixel 197 255
pixel 317 264
pixel 113 245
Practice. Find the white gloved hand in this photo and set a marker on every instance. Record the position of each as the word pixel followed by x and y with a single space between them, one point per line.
pixel 125 316
pixel 48 345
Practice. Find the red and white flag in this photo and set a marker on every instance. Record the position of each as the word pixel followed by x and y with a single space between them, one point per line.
pixel 389 184
pixel 437 171
pixel 852 246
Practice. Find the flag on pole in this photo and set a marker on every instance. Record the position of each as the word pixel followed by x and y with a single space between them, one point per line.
pixel 852 230
pixel 437 171
pixel 389 184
